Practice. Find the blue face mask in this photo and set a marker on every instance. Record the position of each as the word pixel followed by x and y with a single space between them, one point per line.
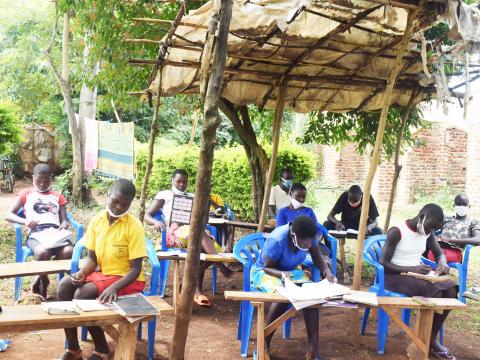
pixel 287 183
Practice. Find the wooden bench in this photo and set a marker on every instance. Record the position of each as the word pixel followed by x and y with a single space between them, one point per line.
pixel 214 258
pixel 31 268
pixel 420 336
pixel 32 318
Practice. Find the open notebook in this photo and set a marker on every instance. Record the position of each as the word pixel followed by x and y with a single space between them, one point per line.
pixel 431 276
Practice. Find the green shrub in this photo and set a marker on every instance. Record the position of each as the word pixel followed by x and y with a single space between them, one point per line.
pixel 231 176
pixel 10 129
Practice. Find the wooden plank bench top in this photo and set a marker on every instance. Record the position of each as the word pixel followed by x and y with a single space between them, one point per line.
pixel 392 302
pixel 208 257
pixel 31 268
pixel 420 336
pixel 32 318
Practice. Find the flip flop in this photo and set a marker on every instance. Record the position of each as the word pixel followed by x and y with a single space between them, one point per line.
pixel 444 354
pixel 202 300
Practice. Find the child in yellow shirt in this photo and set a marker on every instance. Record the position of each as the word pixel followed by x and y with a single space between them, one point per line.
pixel 116 245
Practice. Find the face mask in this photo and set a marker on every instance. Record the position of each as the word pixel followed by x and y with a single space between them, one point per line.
pixel 357 204
pixel 287 183
pixel 115 215
pixel 461 210
pixel 296 204
pixel 295 243
pixel 176 191
pixel 38 190
pixel 421 227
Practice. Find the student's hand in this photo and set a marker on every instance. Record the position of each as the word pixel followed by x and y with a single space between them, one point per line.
pixel 78 278
pixel 339 226
pixel 108 295
pixel 63 226
pixel 442 268
pixel 159 226
pixel 421 269
pixel 369 229
pixel 327 274
pixel 272 223
pixel 31 224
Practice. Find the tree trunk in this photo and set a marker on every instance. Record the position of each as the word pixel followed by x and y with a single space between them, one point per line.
pixel 256 155
pixel 62 78
pixel 357 274
pixel 221 18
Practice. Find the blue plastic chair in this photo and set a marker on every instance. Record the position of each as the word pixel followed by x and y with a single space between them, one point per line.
pixel 22 252
pixel 153 289
pixel 165 264
pixel 372 254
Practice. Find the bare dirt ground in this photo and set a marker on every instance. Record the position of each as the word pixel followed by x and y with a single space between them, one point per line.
pixel 212 332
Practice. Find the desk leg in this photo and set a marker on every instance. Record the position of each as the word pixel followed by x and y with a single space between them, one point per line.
pixel 423 331
pixel 231 240
pixel 343 260
pixel 260 330
pixel 127 341
pixel 176 283
pixel 355 320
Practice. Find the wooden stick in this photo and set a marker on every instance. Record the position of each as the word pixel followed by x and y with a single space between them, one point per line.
pixel 270 328
pixel 357 275
pixel 281 97
pixel 161 21
pixel 260 329
pixel 396 4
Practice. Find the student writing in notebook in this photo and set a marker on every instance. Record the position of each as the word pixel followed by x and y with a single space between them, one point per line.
pixel 43 209
pixel 283 253
pixel 402 252
pixel 116 245
pixel 177 235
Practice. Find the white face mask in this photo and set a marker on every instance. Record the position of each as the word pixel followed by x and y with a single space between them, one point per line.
pixel 296 204
pixel 421 228
pixel 461 210
pixel 295 242
pixel 115 215
pixel 176 191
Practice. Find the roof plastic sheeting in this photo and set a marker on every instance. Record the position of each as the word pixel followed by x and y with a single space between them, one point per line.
pixel 327 69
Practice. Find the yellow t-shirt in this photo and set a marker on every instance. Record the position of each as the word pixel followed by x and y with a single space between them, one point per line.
pixel 117 244
pixel 217 199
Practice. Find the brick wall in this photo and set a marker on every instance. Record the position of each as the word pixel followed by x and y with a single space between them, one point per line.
pixel 438 159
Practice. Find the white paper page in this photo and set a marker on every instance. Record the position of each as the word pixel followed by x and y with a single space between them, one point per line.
pixel 313 291
pixel 89 305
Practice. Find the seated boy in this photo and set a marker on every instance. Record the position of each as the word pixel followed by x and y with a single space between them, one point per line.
pixel 177 236
pixel 116 245
pixel 43 209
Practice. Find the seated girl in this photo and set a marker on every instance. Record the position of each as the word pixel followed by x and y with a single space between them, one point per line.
pixel 458 231
pixel 43 209
pixel 116 245
pixel 403 253
pixel 298 194
pixel 177 236
pixel 283 253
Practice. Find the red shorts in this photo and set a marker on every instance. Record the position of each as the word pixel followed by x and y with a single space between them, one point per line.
pixel 102 281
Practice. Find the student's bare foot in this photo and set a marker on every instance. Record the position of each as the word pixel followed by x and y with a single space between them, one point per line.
pixel 36 286
pixel 96 355
pixel 44 282
pixel 72 355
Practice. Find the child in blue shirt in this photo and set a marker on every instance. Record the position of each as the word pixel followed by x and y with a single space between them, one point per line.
pixel 298 194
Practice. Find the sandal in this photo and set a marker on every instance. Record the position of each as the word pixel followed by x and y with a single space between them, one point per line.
pixel 309 356
pixel 444 354
pixel 99 356
pixel 72 355
pixel 202 300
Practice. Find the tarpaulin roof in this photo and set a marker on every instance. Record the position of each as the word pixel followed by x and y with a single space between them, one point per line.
pixel 336 55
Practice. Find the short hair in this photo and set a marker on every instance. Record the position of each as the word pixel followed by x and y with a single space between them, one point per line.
pixel 297 187
pixel 284 170
pixel 433 210
pixel 304 226
pixel 125 187
pixel 355 190
pixel 179 172
pixel 42 169
pixel 461 195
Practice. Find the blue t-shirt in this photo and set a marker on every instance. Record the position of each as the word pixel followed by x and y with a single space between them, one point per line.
pixel 286 215
pixel 276 248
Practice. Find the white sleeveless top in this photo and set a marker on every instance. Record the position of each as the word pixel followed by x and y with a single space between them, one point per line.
pixel 410 248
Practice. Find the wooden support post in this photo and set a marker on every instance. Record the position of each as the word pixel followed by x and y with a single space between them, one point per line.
pixel 176 283
pixel 260 329
pixel 281 97
pixel 423 333
pixel 127 341
pixel 357 275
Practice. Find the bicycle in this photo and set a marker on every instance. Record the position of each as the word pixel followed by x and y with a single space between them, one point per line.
pixel 7 181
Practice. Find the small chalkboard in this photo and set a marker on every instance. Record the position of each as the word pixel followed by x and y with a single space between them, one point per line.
pixel 135 305
pixel 181 209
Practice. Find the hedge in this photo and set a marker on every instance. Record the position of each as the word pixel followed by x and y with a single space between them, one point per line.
pixel 231 176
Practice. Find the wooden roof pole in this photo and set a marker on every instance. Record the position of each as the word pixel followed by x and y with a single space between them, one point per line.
pixel 280 106
pixel 357 275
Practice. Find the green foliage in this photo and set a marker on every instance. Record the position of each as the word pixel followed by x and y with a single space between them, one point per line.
pixel 443 197
pixel 360 127
pixel 231 176
pixel 10 129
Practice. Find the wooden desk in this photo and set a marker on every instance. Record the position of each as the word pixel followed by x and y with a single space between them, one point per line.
pixel 420 336
pixel 33 318
pixel 31 268
pixel 214 258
